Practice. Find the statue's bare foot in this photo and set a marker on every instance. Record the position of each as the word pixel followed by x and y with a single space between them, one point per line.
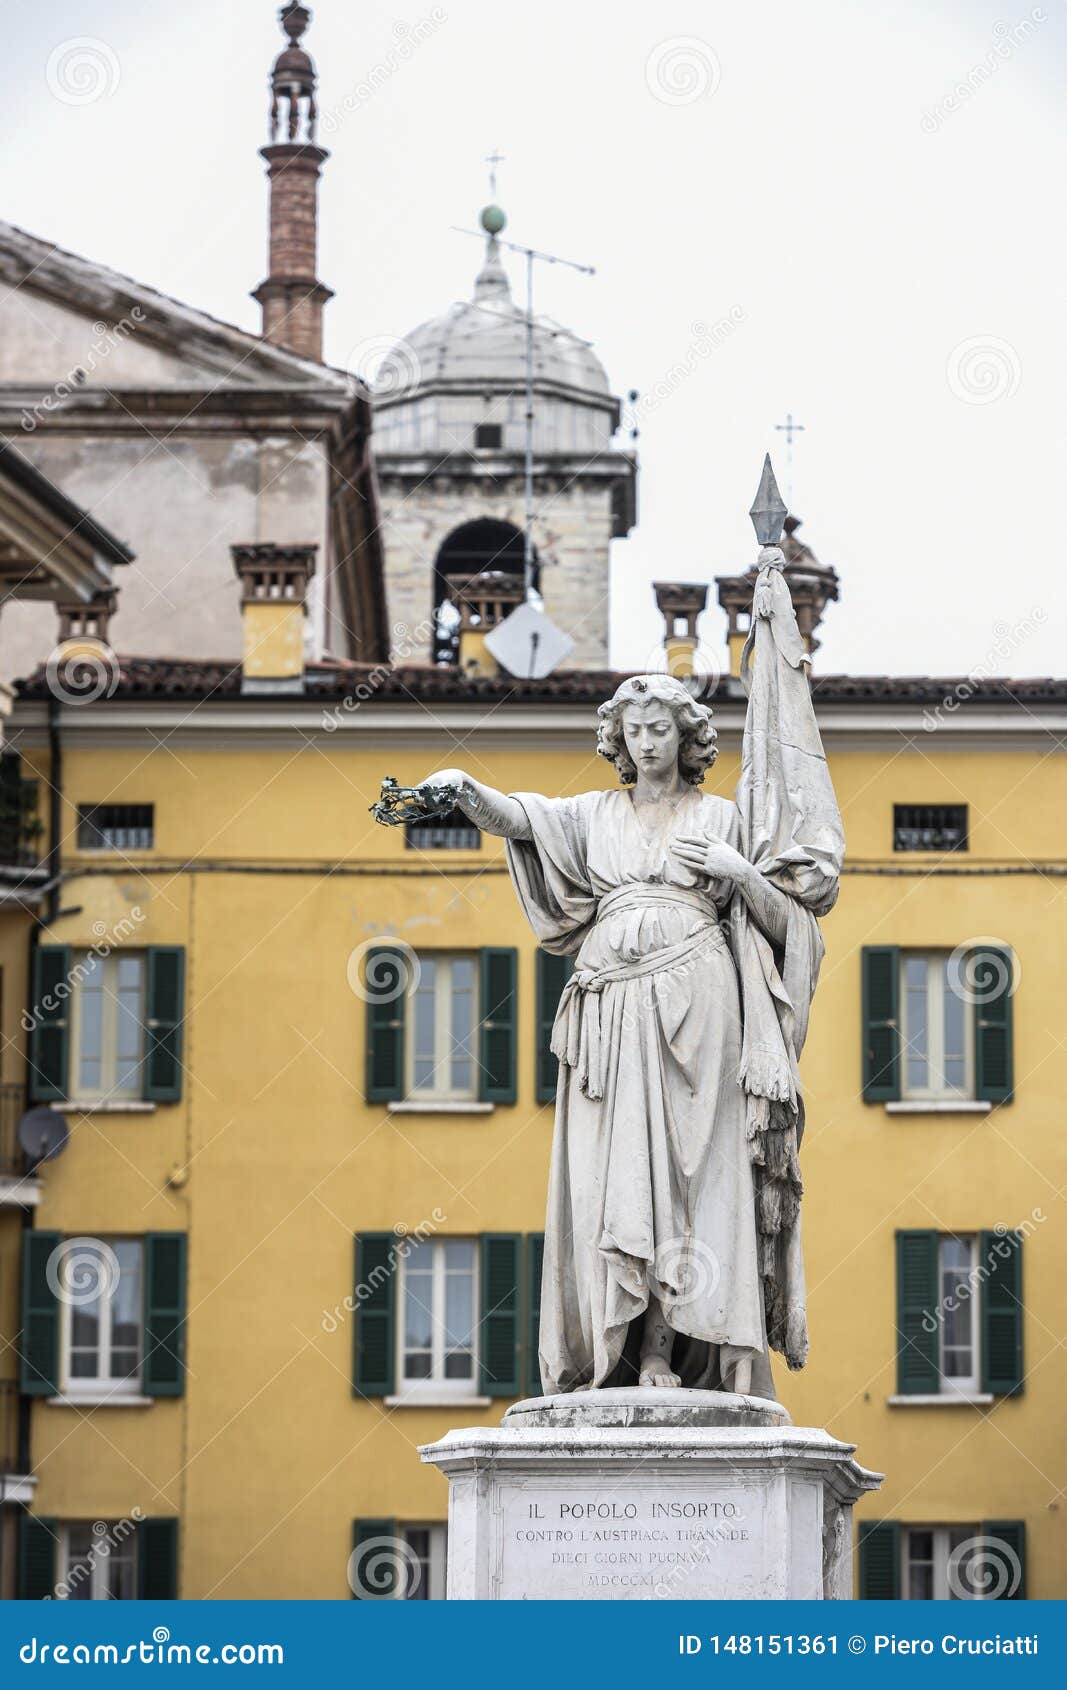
pixel 656 1372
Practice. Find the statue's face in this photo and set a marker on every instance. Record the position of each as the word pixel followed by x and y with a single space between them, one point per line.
pixel 651 734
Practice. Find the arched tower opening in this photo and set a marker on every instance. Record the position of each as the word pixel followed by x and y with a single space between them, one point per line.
pixel 485 548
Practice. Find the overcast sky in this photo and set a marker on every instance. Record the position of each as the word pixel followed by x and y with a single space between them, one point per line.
pixel 847 211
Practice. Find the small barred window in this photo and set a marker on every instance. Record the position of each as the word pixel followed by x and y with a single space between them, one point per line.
pixel 929 827
pixel 454 832
pixel 116 827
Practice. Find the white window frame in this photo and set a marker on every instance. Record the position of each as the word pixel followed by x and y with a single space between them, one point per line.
pixel 441 1090
pixel 110 1088
pixel 100 1563
pixel 435 1566
pixel 101 1383
pixel 970 1303
pixel 942 1555
pixel 936 1090
pixel 437 1385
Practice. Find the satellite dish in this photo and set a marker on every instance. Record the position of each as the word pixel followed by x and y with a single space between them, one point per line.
pixel 528 644
pixel 42 1133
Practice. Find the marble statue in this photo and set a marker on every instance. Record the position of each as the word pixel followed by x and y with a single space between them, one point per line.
pixel 672 1240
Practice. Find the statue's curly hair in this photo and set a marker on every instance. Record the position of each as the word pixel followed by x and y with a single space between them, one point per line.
pixel 696 752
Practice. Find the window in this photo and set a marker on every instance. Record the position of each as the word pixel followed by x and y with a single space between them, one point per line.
pixel 426 1559
pixel 937 1031
pixel 438 1300
pixel 929 827
pixel 96 1561
pixel 936 1563
pixel 488 436
pixel 945 1563
pixel 102 1303
pixel 957 1284
pixel 960 1315
pixel 108 1026
pixel 116 827
pixel 454 832
pixel 442 1029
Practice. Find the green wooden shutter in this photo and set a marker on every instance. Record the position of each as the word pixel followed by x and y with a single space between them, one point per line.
pixel 157 1559
pixel 375 1305
pixel 37 1558
pixel 501 1314
pixel 387 974
pixel 1002 1313
pixel 535 1255
pixel 881 1024
pixel 918 1373
pixel 1012 1558
pixel 553 972
pixel 880 1561
pixel 993 1059
pixel 163 1374
pixel 372 1566
pixel 164 1023
pixel 39 1343
pixel 498 1014
pixel 49 1051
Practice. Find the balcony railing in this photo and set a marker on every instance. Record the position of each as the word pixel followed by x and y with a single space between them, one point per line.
pixel 12 1105
pixel 14 1430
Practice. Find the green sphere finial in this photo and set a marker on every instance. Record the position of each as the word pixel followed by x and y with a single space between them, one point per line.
pixel 493 220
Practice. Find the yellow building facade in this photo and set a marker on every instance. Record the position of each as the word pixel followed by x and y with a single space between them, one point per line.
pixel 272 1402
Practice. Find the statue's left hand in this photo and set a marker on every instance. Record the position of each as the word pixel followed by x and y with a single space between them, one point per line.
pixel 712 857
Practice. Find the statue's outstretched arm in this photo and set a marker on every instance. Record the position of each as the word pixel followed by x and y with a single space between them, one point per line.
pixel 492 811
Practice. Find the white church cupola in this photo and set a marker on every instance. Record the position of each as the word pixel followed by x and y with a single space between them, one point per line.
pixel 451 434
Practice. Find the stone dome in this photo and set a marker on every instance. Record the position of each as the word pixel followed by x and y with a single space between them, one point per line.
pixel 481 342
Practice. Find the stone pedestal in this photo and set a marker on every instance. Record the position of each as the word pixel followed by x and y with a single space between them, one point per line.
pixel 639 1494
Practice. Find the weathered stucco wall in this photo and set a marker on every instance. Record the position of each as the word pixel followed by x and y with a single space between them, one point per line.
pixel 179 500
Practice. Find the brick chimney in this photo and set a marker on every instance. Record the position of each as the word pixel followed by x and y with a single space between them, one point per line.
pixel 274 582
pixel 292 297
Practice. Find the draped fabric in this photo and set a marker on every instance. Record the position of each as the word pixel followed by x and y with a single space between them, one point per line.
pixel 790 828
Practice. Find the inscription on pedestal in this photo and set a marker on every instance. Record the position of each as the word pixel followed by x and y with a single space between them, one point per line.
pixel 629 1542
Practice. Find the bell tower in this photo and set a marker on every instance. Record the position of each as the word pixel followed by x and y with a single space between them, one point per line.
pixel 292 297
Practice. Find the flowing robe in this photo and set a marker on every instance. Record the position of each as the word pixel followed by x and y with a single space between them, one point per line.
pixel 651 1190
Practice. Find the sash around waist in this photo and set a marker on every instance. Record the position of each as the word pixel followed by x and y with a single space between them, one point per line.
pixel 576 1038
pixel 643 894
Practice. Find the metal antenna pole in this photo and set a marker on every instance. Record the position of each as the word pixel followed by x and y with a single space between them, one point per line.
pixel 532 255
